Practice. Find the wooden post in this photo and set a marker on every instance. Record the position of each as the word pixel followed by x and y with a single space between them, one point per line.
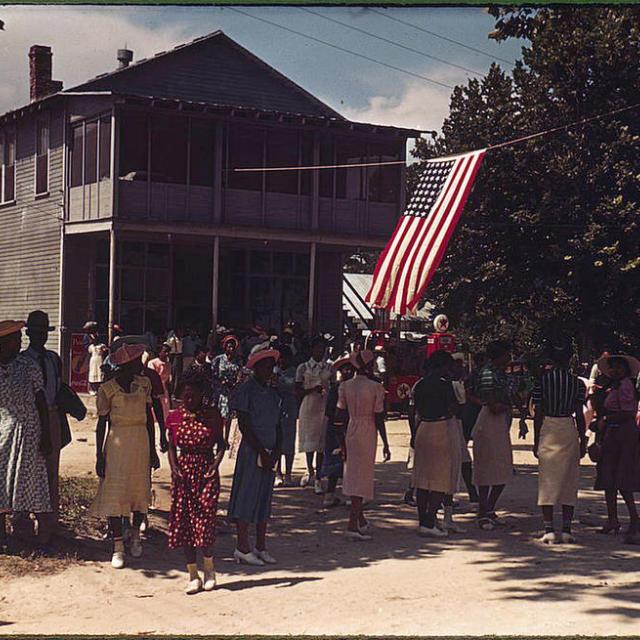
pixel 112 282
pixel 219 167
pixel 215 282
pixel 312 286
pixel 315 189
pixel 171 287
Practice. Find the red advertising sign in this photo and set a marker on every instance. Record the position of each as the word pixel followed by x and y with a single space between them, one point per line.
pixel 79 363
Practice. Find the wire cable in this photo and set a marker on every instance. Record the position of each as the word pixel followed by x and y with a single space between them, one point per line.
pixel 395 44
pixel 437 35
pixel 339 48
pixel 531 136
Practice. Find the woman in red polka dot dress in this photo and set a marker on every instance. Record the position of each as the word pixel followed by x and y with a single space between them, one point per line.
pixel 196 448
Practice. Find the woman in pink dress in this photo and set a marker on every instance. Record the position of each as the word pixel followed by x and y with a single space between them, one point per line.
pixel 363 400
pixel 162 367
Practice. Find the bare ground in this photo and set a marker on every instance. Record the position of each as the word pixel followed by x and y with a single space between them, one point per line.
pixel 500 582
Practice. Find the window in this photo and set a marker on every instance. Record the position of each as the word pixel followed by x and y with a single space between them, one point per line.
pixel 282 151
pixel 169 149
pixel 246 149
pixel 8 167
pixel 203 147
pixel 384 181
pixel 306 160
pixel 349 181
pixel 104 148
pixel 91 151
pixel 77 153
pixel 134 146
pixel 42 156
pixel 327 149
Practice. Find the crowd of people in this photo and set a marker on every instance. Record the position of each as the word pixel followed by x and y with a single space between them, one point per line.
pixel 259 397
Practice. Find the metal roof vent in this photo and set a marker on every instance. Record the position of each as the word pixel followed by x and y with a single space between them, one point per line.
pixel 125 56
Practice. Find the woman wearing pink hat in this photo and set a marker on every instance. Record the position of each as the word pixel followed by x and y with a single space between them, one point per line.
pixel 125 455
pixel 363 400
pixel 259 411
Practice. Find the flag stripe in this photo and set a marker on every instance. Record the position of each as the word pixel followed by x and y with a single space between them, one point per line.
pixel 420 238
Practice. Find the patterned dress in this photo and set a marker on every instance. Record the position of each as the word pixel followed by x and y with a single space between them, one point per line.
pixel 225 373
pixel 23 472
pixel 194 499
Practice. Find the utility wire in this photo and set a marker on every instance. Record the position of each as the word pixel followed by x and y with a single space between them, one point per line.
pixel 335 46
pixel 437 35
pixel 531 136
pixel 395 44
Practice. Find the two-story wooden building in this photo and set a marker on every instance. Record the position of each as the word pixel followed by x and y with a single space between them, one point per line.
pixel 119 201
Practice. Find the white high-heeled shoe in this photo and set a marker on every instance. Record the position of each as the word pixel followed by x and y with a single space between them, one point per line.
pixel 210 581
pixel 265 556
pixel 193 587
pixel 247 558
pixel 117 560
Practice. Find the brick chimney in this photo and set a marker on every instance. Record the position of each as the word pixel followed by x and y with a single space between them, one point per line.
pixel 40 63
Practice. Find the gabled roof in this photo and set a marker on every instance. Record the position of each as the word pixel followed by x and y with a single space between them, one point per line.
pixel 214 69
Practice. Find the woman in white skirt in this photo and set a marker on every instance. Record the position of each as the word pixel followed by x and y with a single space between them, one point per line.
pixel 312 384
pixel 492 453
pixel 438 455
pixel 560 441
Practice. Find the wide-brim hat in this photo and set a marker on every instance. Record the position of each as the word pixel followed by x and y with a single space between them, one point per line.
pixel 342 362
pixel 262 354
pixel 39 320
pixel 605 368
pixel 92 324
pixel 230 338
pixel 9 327
pixel 361 359
pixel 127 353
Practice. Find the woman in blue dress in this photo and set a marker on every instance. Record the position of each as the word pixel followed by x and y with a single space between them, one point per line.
pixel 286 381
pixel 259 410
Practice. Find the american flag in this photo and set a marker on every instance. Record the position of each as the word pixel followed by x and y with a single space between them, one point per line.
pixel 422 234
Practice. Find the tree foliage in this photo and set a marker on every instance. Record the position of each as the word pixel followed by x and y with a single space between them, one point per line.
pixel 549 240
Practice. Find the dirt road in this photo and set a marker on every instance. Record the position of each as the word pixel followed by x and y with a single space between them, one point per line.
pixel 500 582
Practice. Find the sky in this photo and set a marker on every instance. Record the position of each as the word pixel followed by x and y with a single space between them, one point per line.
pixel 84 42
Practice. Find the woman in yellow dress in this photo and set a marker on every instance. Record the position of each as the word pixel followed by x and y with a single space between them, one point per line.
pixel 125 455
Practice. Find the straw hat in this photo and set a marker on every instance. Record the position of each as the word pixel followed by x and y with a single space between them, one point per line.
pixel 634 364
pixel 263 354
pixel 9 327
pixel 361 359
pixel 127 353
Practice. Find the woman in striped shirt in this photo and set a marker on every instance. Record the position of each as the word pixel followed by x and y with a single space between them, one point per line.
pixel 560 441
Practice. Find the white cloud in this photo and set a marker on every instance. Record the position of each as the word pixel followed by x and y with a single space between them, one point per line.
pixel 417 106
pixel 84 42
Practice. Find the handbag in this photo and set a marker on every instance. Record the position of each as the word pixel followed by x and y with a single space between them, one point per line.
pixel 595 452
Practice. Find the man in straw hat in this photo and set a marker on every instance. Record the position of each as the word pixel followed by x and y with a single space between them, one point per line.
pixel 363 400
pixel 259 411
pixel 25 437
pixel 38 329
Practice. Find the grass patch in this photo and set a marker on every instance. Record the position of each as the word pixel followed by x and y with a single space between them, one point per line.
pixel 76 528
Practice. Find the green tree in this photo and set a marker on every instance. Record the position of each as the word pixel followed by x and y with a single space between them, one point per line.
pixel 549 240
